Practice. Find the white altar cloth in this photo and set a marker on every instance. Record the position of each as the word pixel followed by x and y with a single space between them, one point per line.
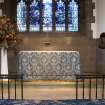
pixel 4 61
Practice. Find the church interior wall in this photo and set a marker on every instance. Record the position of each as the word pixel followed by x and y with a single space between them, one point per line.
pixel 82 42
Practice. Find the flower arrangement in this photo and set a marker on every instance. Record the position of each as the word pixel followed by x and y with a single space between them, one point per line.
pixel 8 32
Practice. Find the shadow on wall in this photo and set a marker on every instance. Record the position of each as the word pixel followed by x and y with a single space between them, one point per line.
pixel 101 54
pixel 102 41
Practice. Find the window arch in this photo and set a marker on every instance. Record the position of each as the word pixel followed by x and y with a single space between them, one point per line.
pixel 47 15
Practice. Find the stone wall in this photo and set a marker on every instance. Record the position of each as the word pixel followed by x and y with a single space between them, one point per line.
pixel 63 42
pixel 89 18
pixel 81 41
pixel 85 14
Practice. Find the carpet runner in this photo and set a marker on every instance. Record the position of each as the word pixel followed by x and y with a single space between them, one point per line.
pixel 52 102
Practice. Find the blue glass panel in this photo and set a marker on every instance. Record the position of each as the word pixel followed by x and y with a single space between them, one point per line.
pixel 72 16
pixel 47 15
pixel 34 16
pixel 60 15
pixel 21 16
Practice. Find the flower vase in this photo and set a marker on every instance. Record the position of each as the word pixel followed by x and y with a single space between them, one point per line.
pixel 8 31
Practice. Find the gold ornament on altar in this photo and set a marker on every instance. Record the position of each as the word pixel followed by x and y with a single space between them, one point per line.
pixel 8 32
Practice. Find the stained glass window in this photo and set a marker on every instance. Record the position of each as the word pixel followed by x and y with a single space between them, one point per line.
pixel 21 16
pixel 47 15
pixel 72 16
pixel 34 16
pixel 60 15
pixel 54 14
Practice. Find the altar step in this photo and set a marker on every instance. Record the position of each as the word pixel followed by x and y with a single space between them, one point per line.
pixel 51 84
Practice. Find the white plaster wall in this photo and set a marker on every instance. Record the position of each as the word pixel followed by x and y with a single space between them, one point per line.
pixel 99 12
pixel 100 17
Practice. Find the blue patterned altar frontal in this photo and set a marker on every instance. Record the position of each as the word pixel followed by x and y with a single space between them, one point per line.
pixel 49 65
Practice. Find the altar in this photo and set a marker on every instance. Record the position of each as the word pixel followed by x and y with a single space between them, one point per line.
pixel 49 65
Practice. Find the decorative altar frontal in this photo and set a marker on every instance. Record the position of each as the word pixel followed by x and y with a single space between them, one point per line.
pixel 49 65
